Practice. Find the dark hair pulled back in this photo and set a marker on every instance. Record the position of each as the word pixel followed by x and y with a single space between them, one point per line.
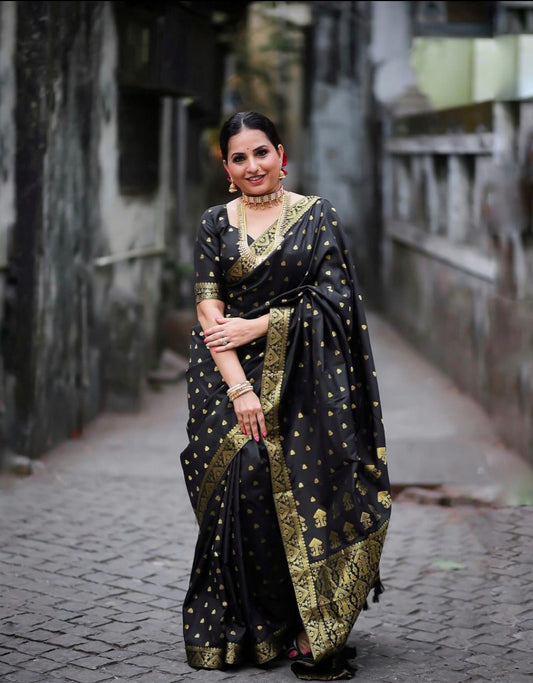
pixel 247 119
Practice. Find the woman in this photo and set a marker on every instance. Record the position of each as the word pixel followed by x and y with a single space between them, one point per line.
pixel 286 465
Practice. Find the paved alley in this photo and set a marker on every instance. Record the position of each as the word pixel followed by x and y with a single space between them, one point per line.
pixel 96 548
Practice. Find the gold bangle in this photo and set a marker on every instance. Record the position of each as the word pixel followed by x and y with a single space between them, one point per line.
pixel 238 386
pixel 246 390
pixel 240 391
pixel 237 390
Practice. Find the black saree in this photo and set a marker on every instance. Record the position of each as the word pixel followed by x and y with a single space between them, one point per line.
pixel 291 529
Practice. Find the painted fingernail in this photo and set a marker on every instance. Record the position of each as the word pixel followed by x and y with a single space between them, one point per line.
pixel 257 438
pixel 244 432
pixel 264 433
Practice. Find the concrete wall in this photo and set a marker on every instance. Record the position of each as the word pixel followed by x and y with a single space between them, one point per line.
pixel 7 124
pixel 449 86
pixel 341 150
pixel 7 175
pixel 104 174
pixel 458 252
pixel 394 78
pixel 130 245
pixel 480 337
pixel 477 69
pixel 409 73
pixel 84 260
pixel 457 185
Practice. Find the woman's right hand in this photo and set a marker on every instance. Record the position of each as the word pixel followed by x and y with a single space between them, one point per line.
pixel 250 415
pixel 230 333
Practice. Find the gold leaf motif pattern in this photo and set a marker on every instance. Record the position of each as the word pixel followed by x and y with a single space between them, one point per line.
pixel 384 498
pixel 321 518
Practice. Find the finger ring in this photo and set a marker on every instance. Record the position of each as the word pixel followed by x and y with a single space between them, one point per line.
pixel 224 341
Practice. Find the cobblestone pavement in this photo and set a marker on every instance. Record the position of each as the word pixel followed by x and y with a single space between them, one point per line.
pixel 95 551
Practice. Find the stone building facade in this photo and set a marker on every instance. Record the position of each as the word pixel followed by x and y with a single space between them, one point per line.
pixel 457 247
pixel 419 126
pixel 342 151
pixel 100 107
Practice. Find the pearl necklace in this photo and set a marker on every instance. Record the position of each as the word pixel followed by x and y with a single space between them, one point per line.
pixel 249 258
pixel 263 201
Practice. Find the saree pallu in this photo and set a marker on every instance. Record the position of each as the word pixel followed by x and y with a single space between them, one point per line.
pixel 291 529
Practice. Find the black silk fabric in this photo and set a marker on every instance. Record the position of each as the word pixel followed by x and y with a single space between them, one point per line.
pixel 291 529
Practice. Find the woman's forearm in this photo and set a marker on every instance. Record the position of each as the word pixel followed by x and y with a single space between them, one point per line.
pixel 247 405
pixel 238 330
pixel 261 324
pixel 228 363
pixel 230 367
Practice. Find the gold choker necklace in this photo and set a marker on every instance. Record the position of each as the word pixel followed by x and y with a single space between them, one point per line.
pixel 263 201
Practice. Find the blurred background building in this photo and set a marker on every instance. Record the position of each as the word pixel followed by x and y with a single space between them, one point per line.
pixel 414 118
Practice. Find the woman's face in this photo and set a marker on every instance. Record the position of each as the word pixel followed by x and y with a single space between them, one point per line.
pixel 253 162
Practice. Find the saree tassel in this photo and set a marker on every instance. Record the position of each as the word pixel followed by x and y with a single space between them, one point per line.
pixel 378 590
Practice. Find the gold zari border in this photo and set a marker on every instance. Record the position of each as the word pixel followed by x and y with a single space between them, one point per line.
pixel 207 290
pixel 287 512
pixel 232 444
pixel 330 593
pixel 343 582
pixel 266 243
pixel 233 653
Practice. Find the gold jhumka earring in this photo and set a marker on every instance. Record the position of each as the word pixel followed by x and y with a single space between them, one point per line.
pixel 232 187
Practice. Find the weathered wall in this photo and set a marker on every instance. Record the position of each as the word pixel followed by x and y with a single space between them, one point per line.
pixel 102 110
pixel 130 245
pixel 84 262
pixel 341 150
pixel 56 216
pixel 409 73
pixel 7 180
pixel 7 124
pixel 482 339
pixel 458 252
pixel 457 187
pixel 394 82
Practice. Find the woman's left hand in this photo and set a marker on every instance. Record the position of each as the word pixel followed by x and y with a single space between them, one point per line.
pixel 230 333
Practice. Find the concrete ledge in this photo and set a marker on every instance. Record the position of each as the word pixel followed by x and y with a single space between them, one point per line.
pixel 460 256
pixel 461 143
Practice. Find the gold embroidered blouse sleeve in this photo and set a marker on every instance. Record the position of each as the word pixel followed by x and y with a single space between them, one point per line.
pixel 209 278
pixel 207 290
